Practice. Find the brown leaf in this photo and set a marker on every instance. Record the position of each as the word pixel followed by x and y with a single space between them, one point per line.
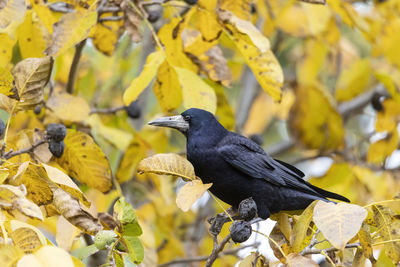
pixel 296 260
pixel 132 21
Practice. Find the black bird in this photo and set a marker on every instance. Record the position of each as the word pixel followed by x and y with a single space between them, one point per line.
pixel 239 168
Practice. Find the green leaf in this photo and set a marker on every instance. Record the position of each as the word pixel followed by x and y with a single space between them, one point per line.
pixel 134 247
pixel 85 252
pixel 126 216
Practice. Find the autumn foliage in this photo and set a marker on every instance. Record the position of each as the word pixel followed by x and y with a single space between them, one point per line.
pixel 315 83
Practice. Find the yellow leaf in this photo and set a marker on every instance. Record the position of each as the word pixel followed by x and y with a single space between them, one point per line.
pixel 65 182
pixel 391 81
pixel 390 35
pixel 12 10
pixel 318 130
pixel 208 25
pixel 36 181
pixel 32 37
pixel 265 66
pixel 353 80
pixel 301 233
pixel 366 242
pixel 389 228
pixel 26 237
pixel 135 152
pixel 247 28
pixel 29 260
pixel 387 119
pixel 70 30
pixel 11 197
pixel 6 82
pixel 105 35
pixel 167 88
pixel 84 160
pixel 253 260
pixel 153 61
pixel 296 260
pixel 31 76
pixel 6 47
pixel 9 254
pixel 241 8
pixel 380 150
pixel 338 222
pixel 53 256
pixel 190 193
pixel 170 164
pixel 314 58
pixel 46 16
pixel 224 111
pixel 297 27
pixel 68 107
pixel 170 36
pixel 196 92
pixel 115 136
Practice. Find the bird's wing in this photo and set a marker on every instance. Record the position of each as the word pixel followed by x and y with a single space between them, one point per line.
pixel 251 159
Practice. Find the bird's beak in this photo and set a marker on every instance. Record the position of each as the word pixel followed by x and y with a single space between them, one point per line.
pixel 176 122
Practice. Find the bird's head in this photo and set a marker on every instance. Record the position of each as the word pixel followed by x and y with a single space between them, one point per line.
pixel 190 121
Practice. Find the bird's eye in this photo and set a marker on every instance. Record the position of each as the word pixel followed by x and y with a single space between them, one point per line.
pixel 186 118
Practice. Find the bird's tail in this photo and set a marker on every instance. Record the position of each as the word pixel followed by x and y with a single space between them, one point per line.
pixel 329 194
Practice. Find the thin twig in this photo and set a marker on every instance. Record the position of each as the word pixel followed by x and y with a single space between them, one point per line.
pixel 205 257
pixel 319 251
pixel 111 18
pixel 74 66
pixel 107 110
pixel 11 153
pixel 217 248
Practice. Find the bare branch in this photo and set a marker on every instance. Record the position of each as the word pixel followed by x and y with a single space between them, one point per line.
pixel 331 249
pixel 111 18
pixel 30 149
pixel 74 66
pixel 217 248
pixel 107 110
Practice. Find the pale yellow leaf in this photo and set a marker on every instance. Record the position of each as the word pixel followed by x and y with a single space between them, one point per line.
pixel 31 76
pixel 241 8
pixel 14 10
pixel 170 164
pixel 65 182
pixel 84 160
pixel 301 233
pixel 70 30
pixel 50 256
pixel 190 193
pixel 66 233
pixel 167 88
pixel 153 61
pixel 29 260
pixel 196 92
pixel 9 254
pixel 68 107
pixel 296 260
pixel 115 136
pixel 26 237
pixel 338 222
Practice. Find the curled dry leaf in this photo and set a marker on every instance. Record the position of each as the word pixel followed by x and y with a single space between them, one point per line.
pixel 132 20
pixel 31 76
pixel 11 197
pixel 70 208
pixel 190 193
pixel 338 222
pixel 169 164
pixel 25 236
pixel 296 260
pixel 84 160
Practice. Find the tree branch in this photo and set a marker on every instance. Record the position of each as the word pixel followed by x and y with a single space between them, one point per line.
pixel 74 66
pixel 331 249
pixel 11 153
pixel 107 110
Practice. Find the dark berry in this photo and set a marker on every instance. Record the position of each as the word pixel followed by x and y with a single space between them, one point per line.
pixel 153 15
pixel 191 2
pixel 56 148
pixel 37 109
pixel 247 209
pixel 56 132
pixel 133 110
pixel 2 128
pixel 240 231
